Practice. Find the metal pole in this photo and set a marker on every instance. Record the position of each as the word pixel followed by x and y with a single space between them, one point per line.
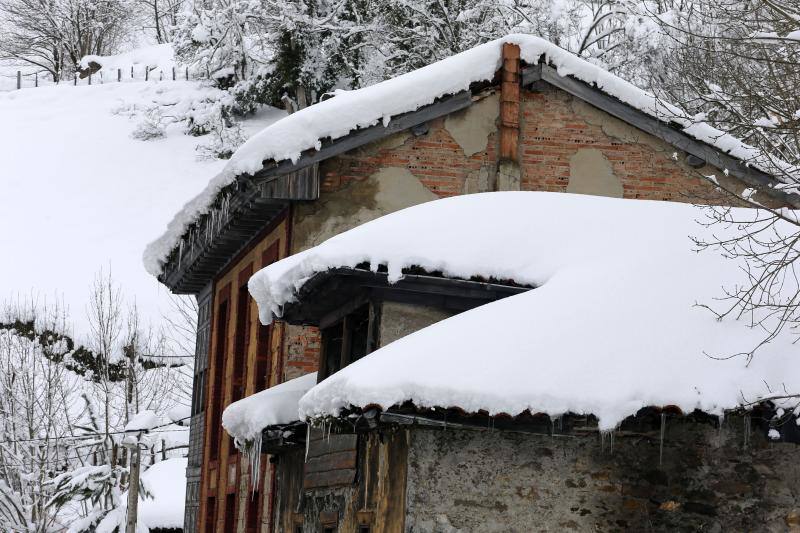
pixel 133 491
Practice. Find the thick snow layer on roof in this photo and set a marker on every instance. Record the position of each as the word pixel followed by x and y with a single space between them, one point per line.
pixel 247 418
pixel 166 482
pixel 612 325
pixel 350 110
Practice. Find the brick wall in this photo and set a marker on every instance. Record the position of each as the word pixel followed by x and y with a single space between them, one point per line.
pixel 434 157
pixel 301 351
pixel 554 127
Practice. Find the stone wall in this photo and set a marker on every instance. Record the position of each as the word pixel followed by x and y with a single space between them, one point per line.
pixel 709 480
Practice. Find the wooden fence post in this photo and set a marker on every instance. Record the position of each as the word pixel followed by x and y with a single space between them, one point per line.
pixel 75 80
pixel 131 71
pixel 146 73
pixel 19 79
pixel 119 74
pixel 35 79
pixel 101 77
pixel 173 73
pixel 160 75
pixel 90 77
pixel 187 73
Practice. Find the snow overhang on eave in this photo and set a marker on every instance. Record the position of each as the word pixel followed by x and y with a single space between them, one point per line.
pixel 324 297
pixel 246 207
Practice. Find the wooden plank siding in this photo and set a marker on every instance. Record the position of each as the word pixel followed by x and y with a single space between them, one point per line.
pixel 236 359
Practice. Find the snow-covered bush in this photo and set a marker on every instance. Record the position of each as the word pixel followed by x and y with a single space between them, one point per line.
pixel 150 127
pixel 224 141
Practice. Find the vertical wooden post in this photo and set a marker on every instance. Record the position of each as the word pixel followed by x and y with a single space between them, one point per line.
pixel 146 73
pixel 75 78
pixel 131 71
pixel 187 73
pixel 19 79
pixel 101 77
pixel 160 75
pixel 119 74
pixel 173 73
pixel 509 103
pixel 133 491
pixel 90 77
pixel 35 79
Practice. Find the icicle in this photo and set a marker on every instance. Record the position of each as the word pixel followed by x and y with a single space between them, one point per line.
pixel 746 430
pixel 308 439
pixel 609 434
pixel 661 439
pixel 254 456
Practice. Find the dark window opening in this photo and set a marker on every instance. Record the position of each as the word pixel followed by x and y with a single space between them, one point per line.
pixel 230 512
pixel 347 341
pixel 298 529
pixel 263 357
pixel 211 515
pixel 363 529
pixel 328 529
pixel 358 322
pixel 216 393
pixel 332 338
pixel 241 338
pixel 199 393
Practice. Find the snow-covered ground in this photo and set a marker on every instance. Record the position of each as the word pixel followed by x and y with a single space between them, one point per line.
pixel 80 195
pixel 165 481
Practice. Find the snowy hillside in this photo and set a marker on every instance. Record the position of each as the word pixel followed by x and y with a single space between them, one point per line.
pixel 79 194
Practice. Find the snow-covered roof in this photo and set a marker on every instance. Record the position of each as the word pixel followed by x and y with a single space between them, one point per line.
pixel 611 326
pixel 288 138
pixel 246 419
pixel 166 482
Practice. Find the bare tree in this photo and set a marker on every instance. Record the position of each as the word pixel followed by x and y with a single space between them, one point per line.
pixel 54 35
pixel 38 397
pixel 736 65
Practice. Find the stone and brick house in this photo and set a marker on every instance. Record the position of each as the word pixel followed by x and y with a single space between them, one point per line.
pixel 526 127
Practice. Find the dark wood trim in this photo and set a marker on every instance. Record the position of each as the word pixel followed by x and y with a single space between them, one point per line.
pixel 329 295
